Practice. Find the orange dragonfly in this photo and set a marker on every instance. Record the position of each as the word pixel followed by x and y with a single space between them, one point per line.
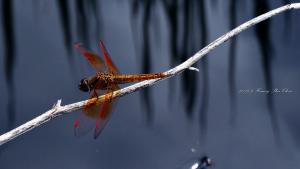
pixel 105 81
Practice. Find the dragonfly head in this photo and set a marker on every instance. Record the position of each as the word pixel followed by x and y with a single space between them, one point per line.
pixel 84 85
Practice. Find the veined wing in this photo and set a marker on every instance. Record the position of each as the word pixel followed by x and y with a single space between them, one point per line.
pixel 109 103
pixel 109 63
pixel 92 112
pixel 95 61
pixel 86 119
pixel 105 110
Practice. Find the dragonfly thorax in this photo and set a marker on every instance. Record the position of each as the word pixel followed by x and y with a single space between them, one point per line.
pixel 100 81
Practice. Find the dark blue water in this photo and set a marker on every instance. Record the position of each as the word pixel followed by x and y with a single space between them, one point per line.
pixel 43 73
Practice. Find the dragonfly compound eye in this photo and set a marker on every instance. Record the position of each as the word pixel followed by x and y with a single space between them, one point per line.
pixel 83 85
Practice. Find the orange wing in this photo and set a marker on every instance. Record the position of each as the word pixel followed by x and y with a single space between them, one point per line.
pixel 105 111
pixel 108 104
pixel 99 112
pixel 91 111
pixel 86 119
pixel 110 64
pixel 96 62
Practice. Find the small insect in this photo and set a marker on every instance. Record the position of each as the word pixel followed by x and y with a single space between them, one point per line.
pixel 105 81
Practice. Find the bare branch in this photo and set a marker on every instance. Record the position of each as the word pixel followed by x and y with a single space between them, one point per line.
pixel 59 110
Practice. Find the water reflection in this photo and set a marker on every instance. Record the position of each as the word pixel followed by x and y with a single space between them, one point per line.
pixel 10 57
pixel 63 10
pixel 187 27
pixel 232 61
pixel 205 78
pixel 146 8
pixel 262 31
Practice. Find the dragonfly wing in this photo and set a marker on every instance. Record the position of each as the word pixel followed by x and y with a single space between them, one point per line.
pixel 83 124
pixel 103 118
pixel 110 64
pixel 105 111
pixel 96 62
pixel 86 119
pixel 95 112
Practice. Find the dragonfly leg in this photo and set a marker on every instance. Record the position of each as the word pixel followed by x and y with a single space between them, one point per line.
pixel 95 94
pixel 110 92
pixel 111 95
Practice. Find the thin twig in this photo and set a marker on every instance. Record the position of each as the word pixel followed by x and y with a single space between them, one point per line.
pixel 59 110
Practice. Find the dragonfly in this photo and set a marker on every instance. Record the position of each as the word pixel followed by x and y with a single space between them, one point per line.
pixel 106 80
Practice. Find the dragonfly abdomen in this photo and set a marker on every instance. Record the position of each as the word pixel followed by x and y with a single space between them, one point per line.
pixel 121 79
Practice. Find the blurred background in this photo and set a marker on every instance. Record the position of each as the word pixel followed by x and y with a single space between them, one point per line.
pixel 173 123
